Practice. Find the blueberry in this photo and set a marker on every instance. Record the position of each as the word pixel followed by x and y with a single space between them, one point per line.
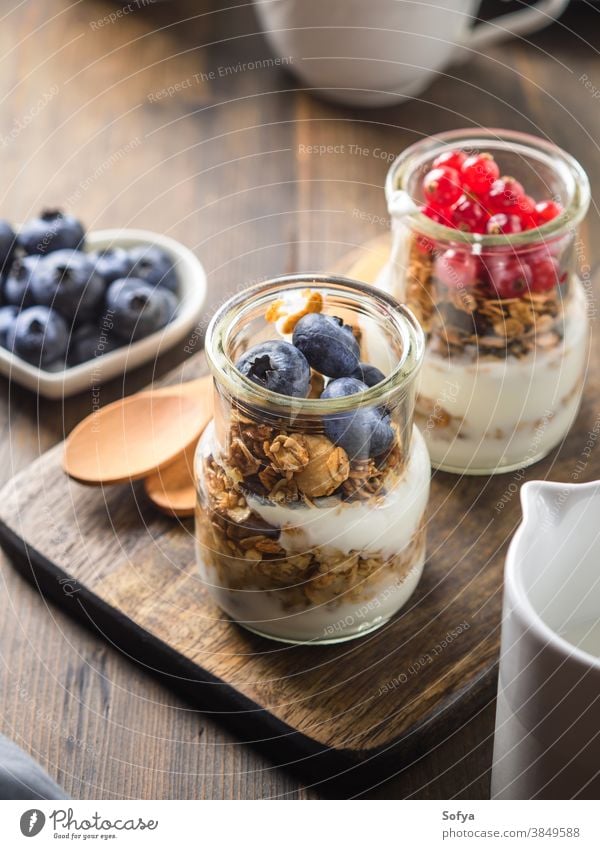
pixel 139 308
pixel 155 266
pixel 7 245
pixel 362 433
pixel 277 366
pixel 327 343
pixel 343 386
pixel 7 317
pixel 17 285
pixel 368 374
pixel 66 280
pixel 53 230
pixel 382 437
pixel 38 335
pixel 89 341
pixel 111 263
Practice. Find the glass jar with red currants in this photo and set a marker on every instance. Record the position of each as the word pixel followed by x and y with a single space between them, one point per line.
pixel 484 252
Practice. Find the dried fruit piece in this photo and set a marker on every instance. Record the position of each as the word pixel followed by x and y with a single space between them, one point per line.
pixel 317 384
pixel 326 470
pixel 287 312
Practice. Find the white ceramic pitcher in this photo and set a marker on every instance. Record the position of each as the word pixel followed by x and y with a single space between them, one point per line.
pixel 547 739
pixel 368 52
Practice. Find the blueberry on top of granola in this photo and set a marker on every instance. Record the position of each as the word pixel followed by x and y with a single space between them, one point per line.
pixel 328 344
pixel 368 374
pixel 362 433
pixel 277 366
pixel 323 351
pixel 343 386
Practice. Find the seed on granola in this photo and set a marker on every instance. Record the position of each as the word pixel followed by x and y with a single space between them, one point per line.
pixel 269 477
pixel 239 514
pixel 287 453
pixel 543 323
pixel 492 342
pixel 510 328
pixel 284 490
pixel 269 546
pixel 326 470
pixel 242 458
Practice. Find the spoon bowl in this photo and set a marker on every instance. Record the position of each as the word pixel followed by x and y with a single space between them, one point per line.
pixel 131 438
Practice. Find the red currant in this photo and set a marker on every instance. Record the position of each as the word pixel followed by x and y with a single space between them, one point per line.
pixel 545 273
pixel 504 195
pixel 439 214
pixel 456 268
pixel 509 276
pixel 546 210
pixel 469 215
pixel 450 158
pixel 479 172
pixel 526 212
pixel 442 186
pixel 500 223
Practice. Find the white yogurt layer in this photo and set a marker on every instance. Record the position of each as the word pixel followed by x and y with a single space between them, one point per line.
pixel 386 528
pixel 509 412
pixel 262 612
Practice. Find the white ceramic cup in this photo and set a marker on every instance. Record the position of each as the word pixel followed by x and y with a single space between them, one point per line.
pixel 370 52
pixel 547 739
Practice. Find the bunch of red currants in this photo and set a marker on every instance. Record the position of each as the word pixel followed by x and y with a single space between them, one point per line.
pixel 466 192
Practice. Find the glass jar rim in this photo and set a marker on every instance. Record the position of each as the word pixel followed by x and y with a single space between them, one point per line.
pixel 497 139
pixel 245 390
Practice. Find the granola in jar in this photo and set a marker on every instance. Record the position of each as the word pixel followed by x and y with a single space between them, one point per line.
pixel 487 262
pixel 312 480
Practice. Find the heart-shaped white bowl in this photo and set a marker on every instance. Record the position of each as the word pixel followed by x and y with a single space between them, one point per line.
pixel 89 375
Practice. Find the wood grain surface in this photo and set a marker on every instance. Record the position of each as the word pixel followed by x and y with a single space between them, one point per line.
pixel 222 165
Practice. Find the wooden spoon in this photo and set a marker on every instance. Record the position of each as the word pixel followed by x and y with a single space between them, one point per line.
pixel 132 437
pixel 172 488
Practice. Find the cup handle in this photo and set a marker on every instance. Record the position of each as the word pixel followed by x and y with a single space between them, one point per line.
pixel 516 23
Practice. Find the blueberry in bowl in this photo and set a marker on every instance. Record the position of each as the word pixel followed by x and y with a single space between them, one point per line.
pixel 91 340
pixel 7 316
pixel 67 281
pixel 112 263
pixel 138 308
pixel 38 335
pixel 153 265
pixel 7 245
pixel 52 263
pixel 17 284
pixel 52 230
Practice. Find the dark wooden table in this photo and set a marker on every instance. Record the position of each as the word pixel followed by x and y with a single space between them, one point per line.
pixel 86 120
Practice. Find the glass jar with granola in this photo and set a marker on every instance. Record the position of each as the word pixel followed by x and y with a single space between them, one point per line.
pixel 312 480
pixel 485 248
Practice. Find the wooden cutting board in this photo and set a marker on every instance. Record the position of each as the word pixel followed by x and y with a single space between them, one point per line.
pixel 348 714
